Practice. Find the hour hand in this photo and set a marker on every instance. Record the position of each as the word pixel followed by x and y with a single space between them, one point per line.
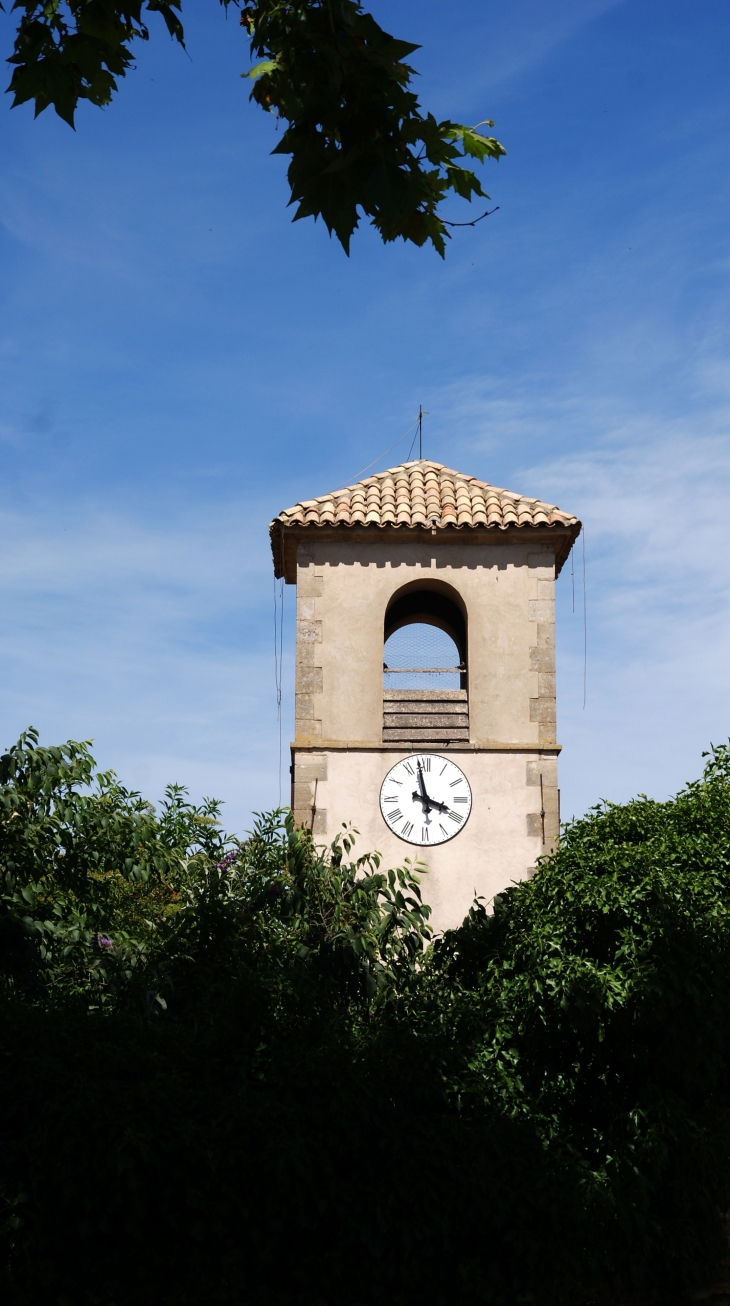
pixel 431 803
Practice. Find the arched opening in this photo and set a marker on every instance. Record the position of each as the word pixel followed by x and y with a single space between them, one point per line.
pixel 425 699
pixel 421 656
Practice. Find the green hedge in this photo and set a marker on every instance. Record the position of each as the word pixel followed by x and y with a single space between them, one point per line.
pixel 242 1071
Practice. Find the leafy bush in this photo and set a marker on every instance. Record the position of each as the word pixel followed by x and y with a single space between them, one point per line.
pixel 594 1004
pixel 240 1069
pixel 102 897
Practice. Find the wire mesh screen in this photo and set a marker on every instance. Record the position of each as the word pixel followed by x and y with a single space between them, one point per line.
pixel 413 655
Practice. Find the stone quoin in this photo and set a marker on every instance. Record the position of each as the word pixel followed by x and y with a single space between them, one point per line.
pixel 423 545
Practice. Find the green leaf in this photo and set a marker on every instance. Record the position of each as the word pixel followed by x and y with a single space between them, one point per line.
pixel 479 147
pixel 266 66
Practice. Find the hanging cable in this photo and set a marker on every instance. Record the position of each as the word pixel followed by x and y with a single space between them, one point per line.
pixel 585 622
pixel 278 658
pixel 572 574
pixel 281 673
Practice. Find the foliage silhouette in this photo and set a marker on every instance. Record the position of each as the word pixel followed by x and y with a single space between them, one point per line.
pixel 242 1068
pixel 358 139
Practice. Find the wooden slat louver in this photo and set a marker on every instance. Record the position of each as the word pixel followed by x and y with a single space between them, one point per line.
pixel 425 716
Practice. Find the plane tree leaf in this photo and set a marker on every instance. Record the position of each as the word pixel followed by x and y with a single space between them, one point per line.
pixel 358 140
pixel 360 145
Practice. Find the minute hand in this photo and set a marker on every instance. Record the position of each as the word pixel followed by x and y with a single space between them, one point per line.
pixel 423 798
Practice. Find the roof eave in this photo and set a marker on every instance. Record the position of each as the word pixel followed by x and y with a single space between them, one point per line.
pixel 284 538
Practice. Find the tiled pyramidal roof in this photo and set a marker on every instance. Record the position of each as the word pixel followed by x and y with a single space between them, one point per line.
pixel 420 494
pixel 424 494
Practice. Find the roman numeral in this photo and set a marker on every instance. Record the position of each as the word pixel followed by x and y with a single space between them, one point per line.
pixel 444 832
pixel 408 767
pixel 393 798
pixel 426 763
pixel 424 834
pixel 394 816
pixel 461 800
pixel 443 768
pixel 455 816
pixel 453 783
pixel 407 829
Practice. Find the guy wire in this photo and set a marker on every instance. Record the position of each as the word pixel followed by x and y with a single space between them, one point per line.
pixel 418 425
pixel 380 455
pixel 413 441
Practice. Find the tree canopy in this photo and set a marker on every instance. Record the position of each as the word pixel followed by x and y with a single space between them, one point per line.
pixel 243 1069
pixel 358 139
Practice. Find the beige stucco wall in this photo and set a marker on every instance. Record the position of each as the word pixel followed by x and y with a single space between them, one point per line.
pixel 506 588
pixel 344 586
pixel 498 845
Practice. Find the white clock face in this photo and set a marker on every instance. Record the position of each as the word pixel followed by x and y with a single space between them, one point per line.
pixel 425 799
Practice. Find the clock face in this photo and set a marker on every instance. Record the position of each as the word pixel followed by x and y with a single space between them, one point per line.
pixel 425 799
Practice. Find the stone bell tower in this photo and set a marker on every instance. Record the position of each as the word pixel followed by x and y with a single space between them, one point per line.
pixel 416 552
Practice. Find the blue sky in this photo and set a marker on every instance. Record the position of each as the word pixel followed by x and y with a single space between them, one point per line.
pixel 178 362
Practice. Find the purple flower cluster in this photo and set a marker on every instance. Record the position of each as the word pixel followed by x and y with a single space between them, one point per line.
pixel 103 941
pixel 226 863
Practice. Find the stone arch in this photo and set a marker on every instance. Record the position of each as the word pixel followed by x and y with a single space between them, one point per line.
pixel 432 602
pixel 427 716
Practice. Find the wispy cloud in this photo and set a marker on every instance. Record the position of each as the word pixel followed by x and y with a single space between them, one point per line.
pixel 152 638
pixel 654 494
pixel 512 41
pixel 168 335
pixel 532 30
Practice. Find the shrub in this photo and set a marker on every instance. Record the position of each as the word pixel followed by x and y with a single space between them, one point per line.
pixel 240 1069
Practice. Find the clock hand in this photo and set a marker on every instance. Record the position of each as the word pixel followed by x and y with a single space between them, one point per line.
pixel 423 797
pixel 428 803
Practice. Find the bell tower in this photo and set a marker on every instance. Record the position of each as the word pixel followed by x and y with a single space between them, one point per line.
pixel 425 674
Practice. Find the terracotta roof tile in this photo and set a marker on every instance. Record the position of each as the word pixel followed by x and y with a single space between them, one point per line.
pixel 417 495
